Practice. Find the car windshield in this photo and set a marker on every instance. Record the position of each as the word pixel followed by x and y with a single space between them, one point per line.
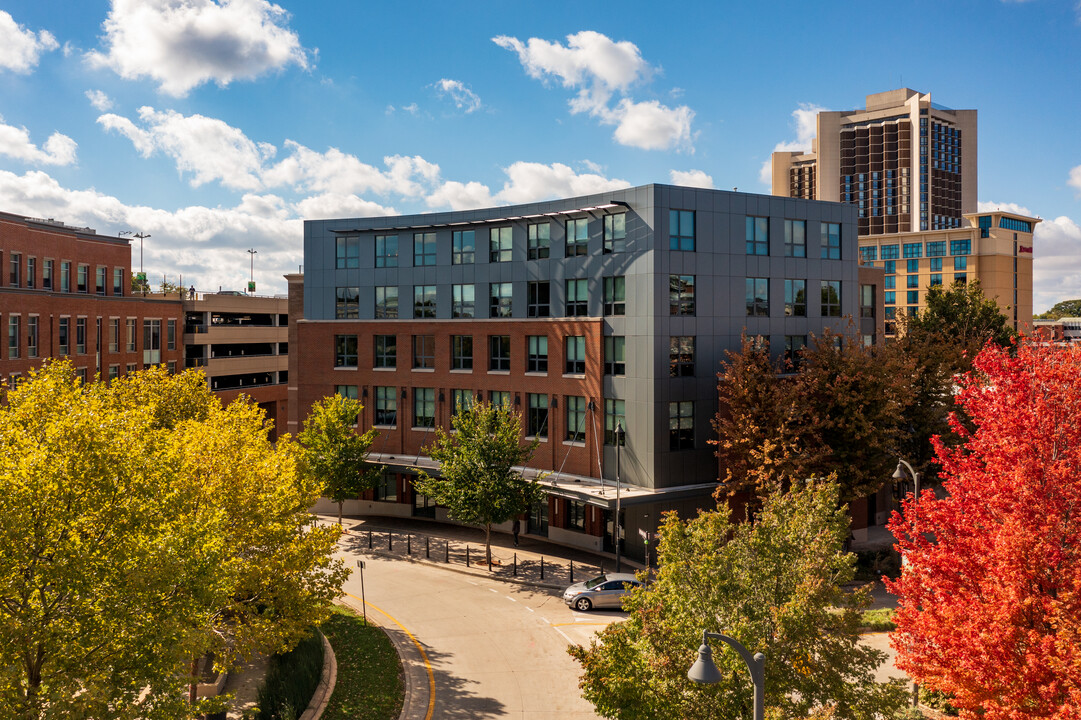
pixel 590 584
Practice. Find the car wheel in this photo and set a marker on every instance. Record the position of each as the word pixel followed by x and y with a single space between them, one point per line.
pixel 583 604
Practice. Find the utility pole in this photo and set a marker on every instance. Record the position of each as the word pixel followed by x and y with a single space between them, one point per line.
pixel 251 281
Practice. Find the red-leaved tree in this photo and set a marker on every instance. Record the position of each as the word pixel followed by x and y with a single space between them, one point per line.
pixel 990 596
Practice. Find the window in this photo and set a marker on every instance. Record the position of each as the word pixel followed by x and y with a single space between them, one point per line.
pixel 913 297
pixel 32 336
pixel 65 276
pixel 615 295
pixel 64 332
pixel 913 281
pixel 13 335
pixel 890 297
pixel 170 334
pixel 793 345
pixel 936 279
pixel 538 240
pixel 960 247
pixel 424 301
pixel 758 297
pixel 890 267
pixel 345 351
pixel 130 368
pixel 386 406
pixel 867 254
pixel 130 345
pixel 386 488
pixel 347 303
pixel 537 415
pixel 960 263
pixel 118 279
pixel 681 356
pixel 152 341
pixel 891 282
pixel 424 352
pixel 681 425
pixel 114 372
pixel 460 401
pixel 757 235
pixel 497 398
pixel 615 355
pixel 890 252
pixel 614 415
pixel 615 233
pixel 681 230
pixel 576 515
pixel 80 336
pixel 537 357
pixel 99 280
pixel 82 278
pixel 795 298
pixel 386 351
pixel 576 355
pixel 114 335
pixel 463 247
pixel 347 252
pixel 913 266
pixel 540 300
pixel 576 418
pixel 423 407
pixel 867 301
pixel 423 249
pixel 795 238
pixel 47 274
pixel 577 301
pixel 960 278
pixel 913 250
pixel 500 245
pixel 936 249
pixel 463 302
pixel 461 352
pixel 681 294
pixel 386 251
pixel 32 272
pixel 346 391
pixel 831 241
pixel 16 261
pixel 936 264
pixel 500 299
pixel 831 298
pixel 499 352
pixel 577 237
pixel 386 302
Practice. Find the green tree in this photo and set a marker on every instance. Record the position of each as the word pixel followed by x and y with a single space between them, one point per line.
pixel 477 481
pixel 962 314
pixel 334 454
pixel 143 524
pixel 1065 308
pixel 776 586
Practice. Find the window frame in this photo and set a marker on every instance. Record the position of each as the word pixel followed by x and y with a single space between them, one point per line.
pixel 574 348
pixel 424 249
pixel 681 425
pixel 615 233
pixel 424 352
pixel 829 307
pixel 577 297
pixel 756 229
pixel 534 305
pixel 500 244
pixel 463 247
pixel 422 306
pixel 615 355
pixel 792 247
pixel 680 361
pixel 575 418
pixel 463 300
pixel 536 361
pixel 538 244
pixel 757 297
pixel 831 241
pixel 499 353
pixel 793 307
pixel 577 238
pixel 500 300
pixel 680 237
pixel 386 251
pixel 386 405
pixel 347 302
pixel 680 300
pixel 461 352
pixel 385 351
pixel 344 351
pixel 386 306
pixel 615 295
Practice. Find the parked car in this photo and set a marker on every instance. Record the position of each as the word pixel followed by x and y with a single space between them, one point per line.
pixel 607 590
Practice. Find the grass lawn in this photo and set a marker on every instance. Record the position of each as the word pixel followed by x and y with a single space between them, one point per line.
pixel 879 619
pixel 370 684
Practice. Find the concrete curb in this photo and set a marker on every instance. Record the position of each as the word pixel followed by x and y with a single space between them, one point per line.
pixel 467 571
pixel 327 680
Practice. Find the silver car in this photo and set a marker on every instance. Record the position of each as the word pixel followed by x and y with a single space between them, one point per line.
pixel 607 590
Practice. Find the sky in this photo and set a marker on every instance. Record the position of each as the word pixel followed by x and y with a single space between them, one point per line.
pixel 217 126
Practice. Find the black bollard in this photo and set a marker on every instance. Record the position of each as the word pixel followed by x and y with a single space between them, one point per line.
pixel 572 572
pixel 427 550
pixel 446 551
pixel 390 541
pixel 369 539
pixel 515 564
pixel 542 567
pixel 467 556
pixel 408 544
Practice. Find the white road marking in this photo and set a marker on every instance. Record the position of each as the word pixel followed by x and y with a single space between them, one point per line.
pixel 530 609
pixel 493 590
pixel 511 599
pixel 565 635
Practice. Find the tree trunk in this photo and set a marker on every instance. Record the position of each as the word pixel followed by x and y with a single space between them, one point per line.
pixel 488 543
pixel 192 689
pixel 340 512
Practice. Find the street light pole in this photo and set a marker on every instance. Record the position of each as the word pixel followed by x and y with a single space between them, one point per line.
pixel 899 474
pixel 251 284
pixel 705 670
pixel 141 237
pixel 621 434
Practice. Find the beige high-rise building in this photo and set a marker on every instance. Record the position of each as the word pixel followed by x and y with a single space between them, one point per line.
pixel 907 163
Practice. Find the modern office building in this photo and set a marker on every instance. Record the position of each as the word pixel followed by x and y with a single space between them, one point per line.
pixel 66 292
pixel 906 163
pixel 993 247
pixel 581 313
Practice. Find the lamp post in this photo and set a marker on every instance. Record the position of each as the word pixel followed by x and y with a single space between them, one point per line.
pixel 251 283
pixel 621 435
pixel 899 474
pixel 705 670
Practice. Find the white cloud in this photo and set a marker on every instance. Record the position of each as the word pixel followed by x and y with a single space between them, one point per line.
pixel 99 100
pixel 20 49
pixel 15 142
pixel 806 121
pixel 599 68
pixel 463 98
pixel 1075 178
pixel 692 178
pixel 336 172
pixel 527 182
pixel 182 44
pixel 332 205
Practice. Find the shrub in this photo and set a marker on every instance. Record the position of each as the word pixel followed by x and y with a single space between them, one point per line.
pixel 291 680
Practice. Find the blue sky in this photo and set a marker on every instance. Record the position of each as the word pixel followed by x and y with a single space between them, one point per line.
pixel 219 126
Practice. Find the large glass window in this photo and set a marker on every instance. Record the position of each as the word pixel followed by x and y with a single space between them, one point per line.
pixel 346 391
pixel 795 298
pixel 114 335
pixel 463 301
pixel 868 255
pixel 831 298
pixel 424 352
pixel 386 351
pixel 936 249
pixel 681 425
pixel 681 230
pixel 13 335
pixel 424 301
pixel 540 299
pixel 386 489
pixel 757 235
pixel 537 415
pixel 170 334
pixel 99 279
pixel 386 302
pixel 460 401
pixel 615 233
pixel 537 357
pixel 831 241
pixel 386 251
pixel 131 335
pixel 681 294
pixel 576 418
pixel 82 277
pixel 32 336
pixel 118 279
pixel 47 275
pixel 423 407
pixel 499 397
pixel 500 245
pixel 936 263
pixel 913 281
pixel 615 414
pixel 32 273
pixel 913 250
pixel 80 336
pixel 758 297
pixel 960 247
pixel 423 249
pixel 64 335
pixel 681 356
pixel 615 355
pixel 463 247
pixel 960 263
pixel 867 301
pixel 499 352
pixel 890 252
pixel 386 406
pixel 15 267
pixel 461 352
pixel 576 355
pixel 347 252
pixel 347 303
pixel 615 295
pixel 577 300
pixel 65 276
pixel 795 238
pixel 500 299
pixel 793 346
pixel 152 341
pixel 577 237
pixel 538 241
pixel 345 351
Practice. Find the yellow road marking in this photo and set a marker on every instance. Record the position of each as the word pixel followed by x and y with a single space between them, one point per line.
pixel 424 655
